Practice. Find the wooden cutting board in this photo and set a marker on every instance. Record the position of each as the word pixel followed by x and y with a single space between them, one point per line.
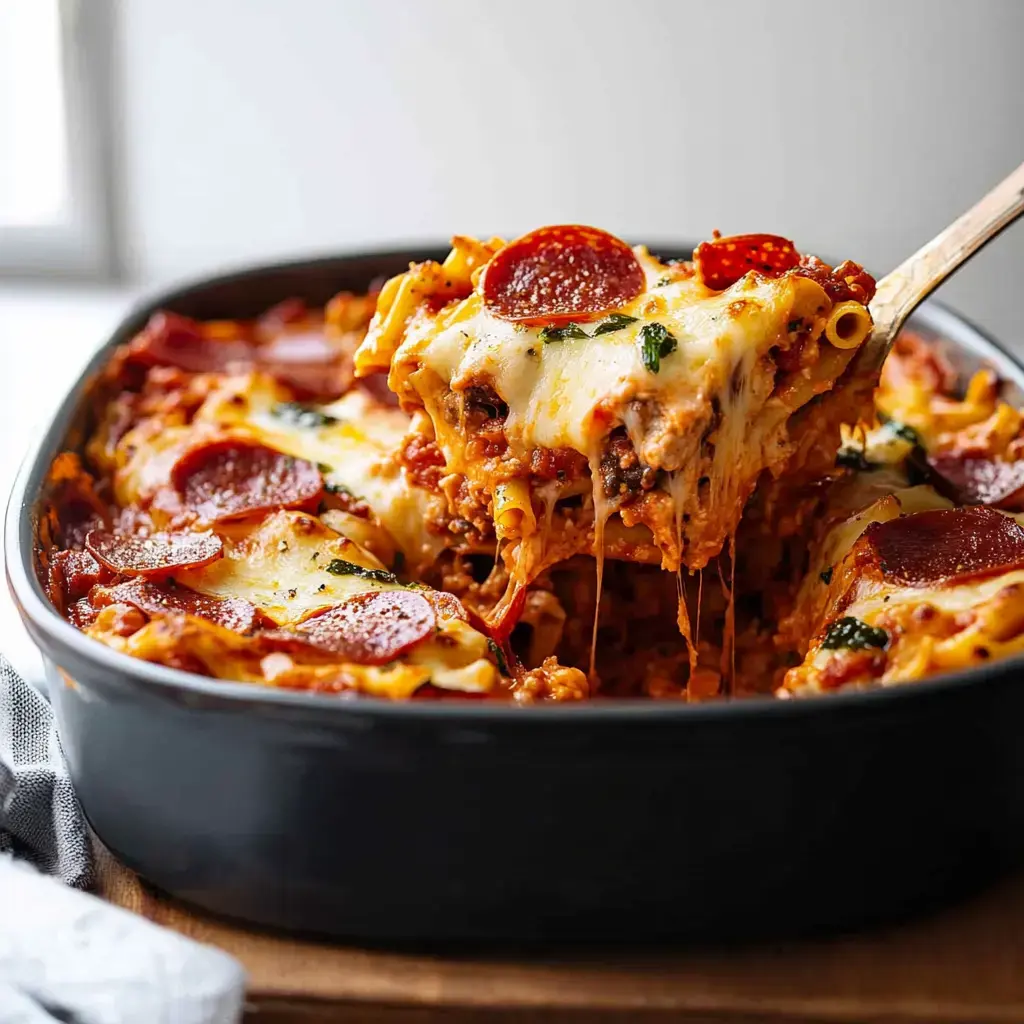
pixel 963 965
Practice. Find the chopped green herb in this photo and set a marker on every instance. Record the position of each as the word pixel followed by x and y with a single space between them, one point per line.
pixel 662 281
pixel 794 325
pixel 655 343
pixel 324 468
pixel 299 415
pixel 570 330
pixel 826 575
pixel 499 656
pixel 854 458
pixel 614 322
pixel 853 634
pixel 339 567
pixel 333 488
pixel 902 430
pixel 905 432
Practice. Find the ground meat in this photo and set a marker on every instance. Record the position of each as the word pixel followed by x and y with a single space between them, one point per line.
pixel 563 464
pixel 483 402
pixel 423 461
pixel 791 359
pixel 552 681
pixel 622 472
pixel 486 439
pixel 847 281
pixel 483 416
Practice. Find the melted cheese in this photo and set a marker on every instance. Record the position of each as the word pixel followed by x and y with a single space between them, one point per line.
pixel 458 662
pixel 713 416
pixel 283 568
pixel 555 390
pixel 355 448
pixel 710 412
pixel 708 417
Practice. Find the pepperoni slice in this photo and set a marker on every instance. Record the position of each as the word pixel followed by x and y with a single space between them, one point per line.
pixel 308 362
pixel 231 479
pixel 372 628
pixel 288 311
pixel 555 275
pixel 723 261
pixel 979 481
pixel 72 574
pixel 172 340
pixel 232 613
pixel 948 545
pixel 156 555
pixel 376 385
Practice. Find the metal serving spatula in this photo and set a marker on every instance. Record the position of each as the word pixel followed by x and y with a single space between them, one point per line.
pixel 915 278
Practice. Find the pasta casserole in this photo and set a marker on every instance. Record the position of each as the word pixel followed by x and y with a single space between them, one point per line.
pixel 557 468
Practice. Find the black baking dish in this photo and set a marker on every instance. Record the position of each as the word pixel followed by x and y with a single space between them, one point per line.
pixel 448 821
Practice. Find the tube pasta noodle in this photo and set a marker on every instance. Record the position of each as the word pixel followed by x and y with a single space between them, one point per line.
pixel 798 389
pixel 848 325
pixel 513 509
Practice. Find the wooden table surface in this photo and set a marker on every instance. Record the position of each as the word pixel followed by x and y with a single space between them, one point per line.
pixel 963 965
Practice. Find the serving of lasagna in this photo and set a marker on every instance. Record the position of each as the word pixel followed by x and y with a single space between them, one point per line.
pixel 552 469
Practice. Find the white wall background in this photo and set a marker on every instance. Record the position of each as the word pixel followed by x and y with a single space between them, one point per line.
pixel 260 128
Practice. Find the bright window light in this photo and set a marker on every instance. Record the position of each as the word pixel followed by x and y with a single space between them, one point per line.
pixel 33 129
pixel 55 133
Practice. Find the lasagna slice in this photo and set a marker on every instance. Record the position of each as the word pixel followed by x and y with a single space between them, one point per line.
pixel 587 398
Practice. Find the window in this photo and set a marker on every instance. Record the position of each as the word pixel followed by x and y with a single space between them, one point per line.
pixel 53 210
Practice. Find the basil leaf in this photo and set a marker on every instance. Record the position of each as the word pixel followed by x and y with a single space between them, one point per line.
pixel 613 322
pixel 339 567
pixel 655 343
pixel 854 635
pixel 333 488
pixel 570 330
pixel 499 656
pixel 901 430
pixel 299 415
pixel 854 458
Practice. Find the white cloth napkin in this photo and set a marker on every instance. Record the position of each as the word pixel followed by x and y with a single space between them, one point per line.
pixel 66 956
